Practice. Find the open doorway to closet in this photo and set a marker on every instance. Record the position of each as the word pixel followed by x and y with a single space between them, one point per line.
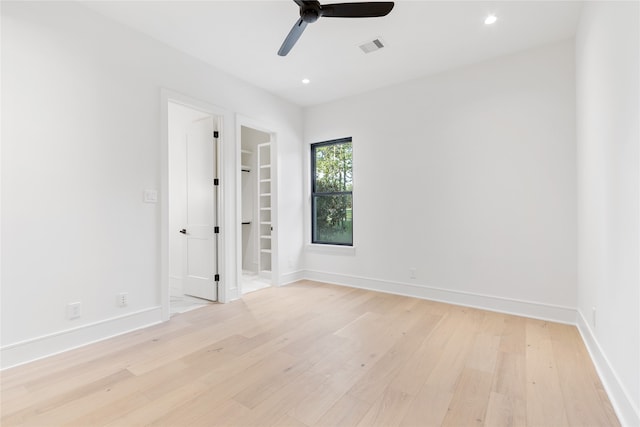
pixel 258 248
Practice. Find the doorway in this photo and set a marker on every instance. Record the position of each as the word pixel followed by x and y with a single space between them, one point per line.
pixel 194 206
pixel 257 209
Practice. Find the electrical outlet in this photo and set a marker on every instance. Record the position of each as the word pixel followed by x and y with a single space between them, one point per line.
pixel 73 310
pixel 412 273
pixel 150 196
pixel 123 299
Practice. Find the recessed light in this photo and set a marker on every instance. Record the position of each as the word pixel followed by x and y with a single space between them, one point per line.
pixel 306 81
pixel 491 19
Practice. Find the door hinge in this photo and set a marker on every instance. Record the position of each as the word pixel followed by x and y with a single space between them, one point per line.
pixel 216 278
pixel 216 229
pixel 216 181
pixel 216 134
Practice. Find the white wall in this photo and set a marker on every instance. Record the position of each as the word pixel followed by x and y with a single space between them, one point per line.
pixel 81 140
pixel 469 176
pixel 608 70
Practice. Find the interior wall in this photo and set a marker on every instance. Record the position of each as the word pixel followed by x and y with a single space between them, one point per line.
pixel 81 141
pixel 608 127
pixel 469 177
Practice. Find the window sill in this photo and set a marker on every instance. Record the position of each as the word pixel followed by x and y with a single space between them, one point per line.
pixel 331 249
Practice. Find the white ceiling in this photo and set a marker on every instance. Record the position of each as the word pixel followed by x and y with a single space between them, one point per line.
pixel 422 37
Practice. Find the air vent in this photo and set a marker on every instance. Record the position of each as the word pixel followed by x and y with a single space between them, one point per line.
pixel 372 46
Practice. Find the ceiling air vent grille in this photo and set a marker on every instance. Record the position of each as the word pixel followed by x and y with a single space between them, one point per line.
pixel 372 46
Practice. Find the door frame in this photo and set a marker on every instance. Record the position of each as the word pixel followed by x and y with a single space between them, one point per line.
pixel 266 128
pixel 223 116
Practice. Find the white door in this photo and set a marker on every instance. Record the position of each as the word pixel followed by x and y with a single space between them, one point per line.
pixel 200 247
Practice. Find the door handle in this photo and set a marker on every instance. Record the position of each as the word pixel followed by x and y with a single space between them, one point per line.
pixel 183 231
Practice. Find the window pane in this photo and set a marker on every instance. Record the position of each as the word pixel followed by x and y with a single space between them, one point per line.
pixel 333 219
pixel 333 168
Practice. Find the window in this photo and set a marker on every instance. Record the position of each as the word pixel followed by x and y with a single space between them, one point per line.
pixel 332 192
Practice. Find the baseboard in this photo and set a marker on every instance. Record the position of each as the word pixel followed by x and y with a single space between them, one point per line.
pixel 536 310
pixel 37 348
pixel 627 412
pixel 291 277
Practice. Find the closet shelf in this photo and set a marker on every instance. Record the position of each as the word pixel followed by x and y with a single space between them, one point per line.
pixel 265 194
pixel 265 180
pixel 243 151
pixel 266 237
pixel 265 251
pixel 265 166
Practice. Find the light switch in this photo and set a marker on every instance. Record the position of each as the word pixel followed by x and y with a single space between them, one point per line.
pixel 150 196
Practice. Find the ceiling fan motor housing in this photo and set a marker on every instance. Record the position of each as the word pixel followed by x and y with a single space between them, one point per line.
pixel 310 13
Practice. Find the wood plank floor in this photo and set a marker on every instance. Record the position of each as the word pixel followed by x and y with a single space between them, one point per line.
pixel 312 354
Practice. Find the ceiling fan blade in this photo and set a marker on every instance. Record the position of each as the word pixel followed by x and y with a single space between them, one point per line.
pixel 292 37
pixel 357 10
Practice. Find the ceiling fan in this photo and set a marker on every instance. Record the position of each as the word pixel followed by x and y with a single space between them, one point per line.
pixel 312 10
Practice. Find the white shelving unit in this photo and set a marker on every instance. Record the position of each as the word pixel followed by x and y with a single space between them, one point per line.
pixel 245 164
pixel 264 210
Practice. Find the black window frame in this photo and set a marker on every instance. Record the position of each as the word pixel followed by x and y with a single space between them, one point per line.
pixel 315 193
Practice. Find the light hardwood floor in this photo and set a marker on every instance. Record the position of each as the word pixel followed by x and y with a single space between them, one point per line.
pixel 312 354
